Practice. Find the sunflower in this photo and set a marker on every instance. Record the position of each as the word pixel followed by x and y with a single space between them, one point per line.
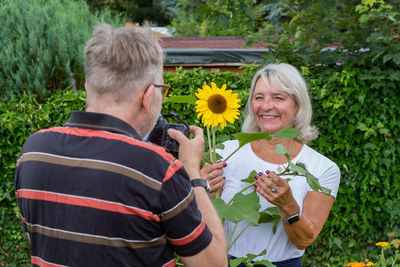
pixel 216 105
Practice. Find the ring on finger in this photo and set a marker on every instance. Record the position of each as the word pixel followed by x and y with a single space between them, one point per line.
pixel 211 176
pixel 273 190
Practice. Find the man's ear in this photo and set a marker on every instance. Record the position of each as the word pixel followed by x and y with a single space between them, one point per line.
pixel 145 99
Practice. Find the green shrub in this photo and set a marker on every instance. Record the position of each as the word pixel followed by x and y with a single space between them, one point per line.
pixel 356 111
pixel 42 45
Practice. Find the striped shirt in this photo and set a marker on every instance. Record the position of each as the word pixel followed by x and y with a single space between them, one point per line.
pixel 92 193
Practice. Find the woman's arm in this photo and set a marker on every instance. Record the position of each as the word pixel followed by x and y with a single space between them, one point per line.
pixel 316 208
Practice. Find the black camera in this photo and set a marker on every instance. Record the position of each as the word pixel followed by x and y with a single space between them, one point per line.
pixel 160 136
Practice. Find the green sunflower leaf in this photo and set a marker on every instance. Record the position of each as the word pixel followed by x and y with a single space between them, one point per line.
pixel 251 257
pixel 281 150
pixel 250 179
pixel 185 99
pixel 287 133
pixel 243 208
pixel 270 214
pixel 237 261
pixel 245 138
pixel 220 146
pixel 206 157
pixel 248 260
pixel 311 179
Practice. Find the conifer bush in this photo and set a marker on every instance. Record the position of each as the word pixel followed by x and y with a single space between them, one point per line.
pixel 42 45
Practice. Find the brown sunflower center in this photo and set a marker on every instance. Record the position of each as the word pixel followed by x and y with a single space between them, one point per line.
pixel 217 103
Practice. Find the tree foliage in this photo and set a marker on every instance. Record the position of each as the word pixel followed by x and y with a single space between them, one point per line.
pixel 362 33
pixel 42 45
pixel 214 17
pixel 138 11
pixel 301 32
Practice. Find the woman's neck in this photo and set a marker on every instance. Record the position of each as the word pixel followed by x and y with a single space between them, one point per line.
pixel 264 149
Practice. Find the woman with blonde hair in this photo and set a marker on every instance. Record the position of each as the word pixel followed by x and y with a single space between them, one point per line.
pixel 278 98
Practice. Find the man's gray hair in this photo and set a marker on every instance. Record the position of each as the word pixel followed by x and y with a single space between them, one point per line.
pixel 121 62
pixel 287 78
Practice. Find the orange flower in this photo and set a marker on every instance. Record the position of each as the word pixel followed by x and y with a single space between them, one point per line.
pixel 382 244
pixel 355 264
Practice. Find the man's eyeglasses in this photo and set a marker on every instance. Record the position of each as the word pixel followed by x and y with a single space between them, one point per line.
pixel 164 89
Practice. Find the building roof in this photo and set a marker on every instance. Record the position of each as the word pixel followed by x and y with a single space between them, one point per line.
pixel 218 53
pixel 217 42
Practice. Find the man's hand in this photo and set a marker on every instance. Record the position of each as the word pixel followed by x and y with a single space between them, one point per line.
pixel 190 150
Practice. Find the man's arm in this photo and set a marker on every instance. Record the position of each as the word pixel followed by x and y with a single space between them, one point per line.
pixel 190 153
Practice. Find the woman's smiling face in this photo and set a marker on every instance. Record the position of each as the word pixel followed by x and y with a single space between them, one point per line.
pixel 273 109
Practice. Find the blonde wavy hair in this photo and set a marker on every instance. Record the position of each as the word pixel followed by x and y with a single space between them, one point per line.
pixel 287 78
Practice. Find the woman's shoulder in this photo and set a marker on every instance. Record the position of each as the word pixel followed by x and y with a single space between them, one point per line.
pixel 314 157
pixel 327 171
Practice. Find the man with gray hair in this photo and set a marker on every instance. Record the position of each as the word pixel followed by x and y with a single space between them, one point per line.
pixel 93 193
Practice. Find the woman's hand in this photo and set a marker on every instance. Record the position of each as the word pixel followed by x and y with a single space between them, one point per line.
pixel 277 191
pixel 214 174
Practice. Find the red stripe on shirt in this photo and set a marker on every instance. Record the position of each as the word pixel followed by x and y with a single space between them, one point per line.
pixel 170 263
pixel 107 135
pixel 85 202
pixel 189 238
pixel 42 263
pixel 22 218
pixel 172 169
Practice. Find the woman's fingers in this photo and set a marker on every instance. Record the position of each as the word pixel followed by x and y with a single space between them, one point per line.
pixel 266 183
pixel 217 183
pixel 274 189
pixel 214 174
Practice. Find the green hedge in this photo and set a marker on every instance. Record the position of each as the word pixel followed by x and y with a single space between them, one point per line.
pixel 356 111
pixel 18 119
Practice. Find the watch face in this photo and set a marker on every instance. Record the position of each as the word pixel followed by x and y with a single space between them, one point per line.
pixel 293 219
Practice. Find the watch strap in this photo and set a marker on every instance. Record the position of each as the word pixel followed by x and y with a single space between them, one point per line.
pixel 292 219
pixel 201 182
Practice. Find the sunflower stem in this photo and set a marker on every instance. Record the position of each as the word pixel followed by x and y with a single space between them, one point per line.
pixel 237 237
pixel 232 154
pixel 209 144
pixel 214 155
pixel 213 145
pixel 231 235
